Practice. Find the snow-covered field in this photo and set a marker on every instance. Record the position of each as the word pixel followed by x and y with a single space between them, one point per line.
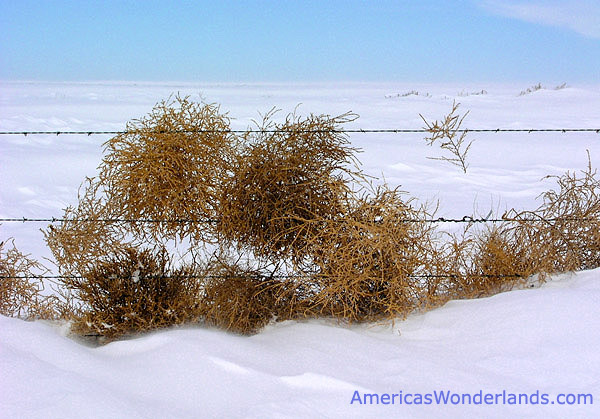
pixel 541 340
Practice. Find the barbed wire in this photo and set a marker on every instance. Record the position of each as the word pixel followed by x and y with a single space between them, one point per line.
pixel 464 219
pixel 104 220
pixel 348 131
pixel 261 276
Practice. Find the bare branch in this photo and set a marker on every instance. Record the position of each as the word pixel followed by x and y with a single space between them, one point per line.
pixel 451 136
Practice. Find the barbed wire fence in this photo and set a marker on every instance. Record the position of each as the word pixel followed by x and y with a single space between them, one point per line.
pixel 465 219
pixel 348 131
pixel 296 276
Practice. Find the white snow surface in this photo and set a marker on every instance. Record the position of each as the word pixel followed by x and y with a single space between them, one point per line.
pixel 541 340
pixel 534 341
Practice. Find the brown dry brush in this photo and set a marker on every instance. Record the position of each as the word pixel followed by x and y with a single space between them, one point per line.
pixel 561 235
pixel 22 289
pixel 369 263
pixel 242 294
pixel 238 297
pixel 285 197
pixel 574 214
pixel 284 178
pixel 481 262
pixel 166 166
pixel 135 291
pixel 564 230
pixel 170 165
pixel 98 259
pixel 164 156
pixel 87 236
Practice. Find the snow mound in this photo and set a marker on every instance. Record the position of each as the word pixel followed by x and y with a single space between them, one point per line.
pixel 534 341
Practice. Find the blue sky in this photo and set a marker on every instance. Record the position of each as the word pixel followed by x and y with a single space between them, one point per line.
pixel 308 40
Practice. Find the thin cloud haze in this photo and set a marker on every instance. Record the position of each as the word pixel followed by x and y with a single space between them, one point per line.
pixel 581 16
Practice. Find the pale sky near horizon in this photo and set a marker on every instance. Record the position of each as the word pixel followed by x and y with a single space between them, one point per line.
pixel 548 41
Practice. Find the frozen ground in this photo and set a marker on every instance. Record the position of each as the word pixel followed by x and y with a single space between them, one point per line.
pixel 542 340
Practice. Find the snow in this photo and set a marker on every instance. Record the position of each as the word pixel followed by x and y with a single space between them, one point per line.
pixel 535 340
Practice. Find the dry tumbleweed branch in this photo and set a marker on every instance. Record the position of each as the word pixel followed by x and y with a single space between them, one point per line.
pixel 451 136
pixel 21 289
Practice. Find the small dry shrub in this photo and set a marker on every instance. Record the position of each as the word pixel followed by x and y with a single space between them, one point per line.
pixel 369 261
pixel 135 291
pixel 238 298
pixel 289 175
pixel 505 252
pixel 170 165
pixel 87 236
pixel 570 221
pixel 491 260
pixel 21 287
pixel 561 235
